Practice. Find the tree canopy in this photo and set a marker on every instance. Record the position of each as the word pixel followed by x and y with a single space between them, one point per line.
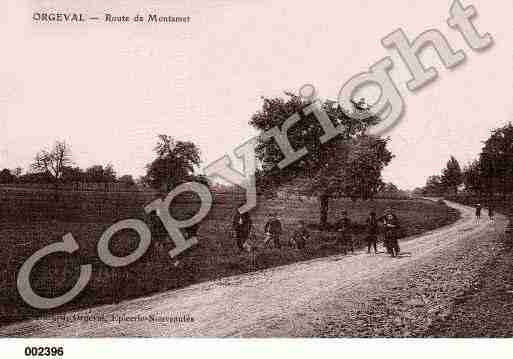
pixel 350 164
pixel 174 164
pixel 496 160
pixel 452 176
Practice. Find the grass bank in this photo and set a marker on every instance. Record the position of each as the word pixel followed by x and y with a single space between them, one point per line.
pixel 214 257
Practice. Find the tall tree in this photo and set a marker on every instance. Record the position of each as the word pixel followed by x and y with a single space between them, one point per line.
pixel 175 163
pixel 52 162
pixel 472 177
pixel 334 166
pixel 452 176
pixel 354 170
pixel 496 160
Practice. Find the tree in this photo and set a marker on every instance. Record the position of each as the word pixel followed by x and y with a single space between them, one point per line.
pixel 496 161
pixel 6 176
pixel 451 175
pixel 472 177
pixel 52 162
pixel 354 170
pixel 100 174
pixel 175 163
pixel 127 180
pixel 434 186
pixel 17 172
pixel 390 188
pixel 72 174
pixel 350 164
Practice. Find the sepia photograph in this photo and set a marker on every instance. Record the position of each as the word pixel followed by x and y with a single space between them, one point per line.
pixel 257 171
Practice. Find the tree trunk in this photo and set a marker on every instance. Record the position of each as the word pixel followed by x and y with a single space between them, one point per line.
pixel 56 190
pixel 324 202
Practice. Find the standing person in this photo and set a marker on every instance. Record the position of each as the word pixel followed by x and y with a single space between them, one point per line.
pixel 273 229
pixel 241 227
pixel 478 212
pixel 344 235
pixel 391 224
pixel 300 236
pixel 372 232
pixel 491 212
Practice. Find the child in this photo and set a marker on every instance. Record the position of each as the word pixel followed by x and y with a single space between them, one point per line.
pixel 300 236
pixel 345 238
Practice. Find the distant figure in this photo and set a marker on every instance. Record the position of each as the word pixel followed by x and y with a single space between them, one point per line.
pixel 491 212
pixel 344 235
pixel 300 236
pixel 372 232
pixel 391 224
pixel 241 227
pixel 273 230
pixel 157 228
pixel 478 212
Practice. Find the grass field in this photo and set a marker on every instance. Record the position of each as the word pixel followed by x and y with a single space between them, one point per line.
pixel 31 220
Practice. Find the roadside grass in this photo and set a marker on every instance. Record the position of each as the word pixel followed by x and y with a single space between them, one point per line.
pixel 214 257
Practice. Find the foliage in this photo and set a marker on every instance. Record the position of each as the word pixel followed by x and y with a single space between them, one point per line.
pixel 434 186
pixel 451 175
pixel 496 161
pixel 472 177
pixel 349 164
pixel 127 180
pixel 52 162
pixel 174 164
pixel 100 174
pixel 354 170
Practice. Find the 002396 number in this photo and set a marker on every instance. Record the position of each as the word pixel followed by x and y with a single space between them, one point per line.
pixel 44 351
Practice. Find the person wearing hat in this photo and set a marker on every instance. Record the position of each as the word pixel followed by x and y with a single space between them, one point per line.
pixel 478 212
pixel 372 232
pixel 344 235
pixel 273 229
pixel 391 225
pixel 301 235
pixel 241 224
pixel 491 212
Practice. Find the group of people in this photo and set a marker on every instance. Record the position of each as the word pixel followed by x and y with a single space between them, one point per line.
pixel 342 231
pixel 491 212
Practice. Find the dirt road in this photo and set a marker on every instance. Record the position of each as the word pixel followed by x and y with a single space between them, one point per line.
pixel 293 300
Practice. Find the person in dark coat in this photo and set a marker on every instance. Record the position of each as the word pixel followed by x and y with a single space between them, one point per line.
pixel 344 233
pixel 391 226
pixel 241 227
pixel 273 229
pixel 478 212
pixel 372 232
pixel 491 212
pixel 300 236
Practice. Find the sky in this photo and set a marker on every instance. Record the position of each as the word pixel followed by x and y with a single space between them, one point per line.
pixel 108 89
